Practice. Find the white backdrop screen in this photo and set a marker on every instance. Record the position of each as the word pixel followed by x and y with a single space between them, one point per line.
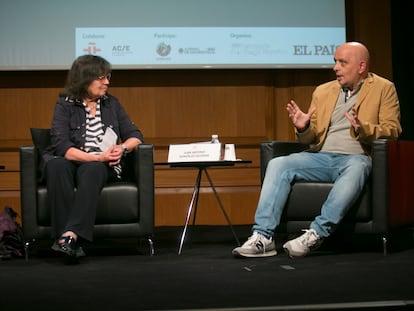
pixel 134 34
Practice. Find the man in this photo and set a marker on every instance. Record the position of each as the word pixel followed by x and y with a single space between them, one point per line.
pixel 344 117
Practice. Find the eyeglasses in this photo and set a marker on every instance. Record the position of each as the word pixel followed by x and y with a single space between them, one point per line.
pixel 107 77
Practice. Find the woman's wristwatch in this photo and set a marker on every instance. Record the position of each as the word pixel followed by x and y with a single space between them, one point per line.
pixel 124 150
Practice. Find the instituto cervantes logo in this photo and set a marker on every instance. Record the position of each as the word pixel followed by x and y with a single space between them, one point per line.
pixel 92 48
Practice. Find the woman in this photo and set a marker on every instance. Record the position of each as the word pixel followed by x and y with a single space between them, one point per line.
pixel 85 120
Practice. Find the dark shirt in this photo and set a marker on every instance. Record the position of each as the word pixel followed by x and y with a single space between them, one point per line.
pixel 69 123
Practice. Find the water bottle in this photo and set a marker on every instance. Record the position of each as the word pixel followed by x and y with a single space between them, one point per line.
pixel 214 139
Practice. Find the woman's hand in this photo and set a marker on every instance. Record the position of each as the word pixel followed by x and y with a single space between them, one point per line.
pixel 114 155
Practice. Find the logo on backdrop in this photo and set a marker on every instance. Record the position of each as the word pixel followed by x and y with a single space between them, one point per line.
pixel 92 48
pixel 163 49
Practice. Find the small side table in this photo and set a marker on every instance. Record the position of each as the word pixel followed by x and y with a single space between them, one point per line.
pixel 202 167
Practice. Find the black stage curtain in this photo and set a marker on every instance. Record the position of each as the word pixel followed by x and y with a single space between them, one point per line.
pixel 403 62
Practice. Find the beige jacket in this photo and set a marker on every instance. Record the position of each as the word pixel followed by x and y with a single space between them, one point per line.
pixel 377 107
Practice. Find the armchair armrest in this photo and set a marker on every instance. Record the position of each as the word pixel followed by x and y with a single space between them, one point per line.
pixel 144 174
pixel 379 185
pixel 28 188
pixel 271 149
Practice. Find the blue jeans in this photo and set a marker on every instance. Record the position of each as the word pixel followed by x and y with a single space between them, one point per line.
pixel 348 172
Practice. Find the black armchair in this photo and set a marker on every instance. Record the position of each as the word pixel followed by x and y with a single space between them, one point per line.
pixel 370 214
pixel 126 209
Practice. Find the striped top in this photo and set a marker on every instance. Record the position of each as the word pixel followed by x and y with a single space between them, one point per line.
pixel 94 129
pixel 94 133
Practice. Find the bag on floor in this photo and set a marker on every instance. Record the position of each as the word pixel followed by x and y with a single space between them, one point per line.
pixel 11 235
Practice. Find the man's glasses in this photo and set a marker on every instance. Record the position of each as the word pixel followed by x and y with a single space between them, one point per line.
pixel 107 76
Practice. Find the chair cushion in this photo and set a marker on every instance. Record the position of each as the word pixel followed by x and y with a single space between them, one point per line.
pixel 117 205
pixel 306 199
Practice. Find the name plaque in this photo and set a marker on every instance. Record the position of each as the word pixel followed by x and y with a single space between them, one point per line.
pixel 196 152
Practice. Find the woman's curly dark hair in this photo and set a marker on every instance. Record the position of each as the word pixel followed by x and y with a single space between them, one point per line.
pixel 84 70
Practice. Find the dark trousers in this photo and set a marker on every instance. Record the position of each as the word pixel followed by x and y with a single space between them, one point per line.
pixel 73 190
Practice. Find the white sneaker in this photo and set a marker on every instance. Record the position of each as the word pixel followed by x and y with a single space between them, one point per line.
pixel 303 245
pixel 256 246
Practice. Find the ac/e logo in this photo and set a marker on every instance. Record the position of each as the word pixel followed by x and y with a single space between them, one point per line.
pixel 121 48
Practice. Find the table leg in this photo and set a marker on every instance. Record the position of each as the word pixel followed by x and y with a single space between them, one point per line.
pixel 221 205
pixel 193 202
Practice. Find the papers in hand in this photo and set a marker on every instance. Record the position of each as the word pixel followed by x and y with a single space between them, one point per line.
pixel 108 139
